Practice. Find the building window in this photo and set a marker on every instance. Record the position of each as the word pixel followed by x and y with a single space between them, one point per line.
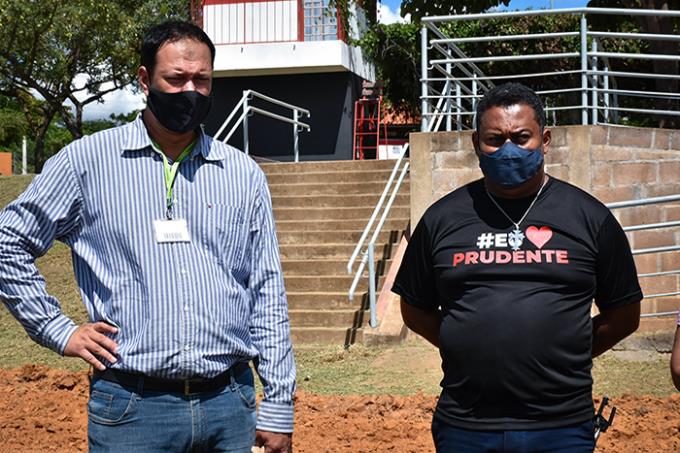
pixel 321 22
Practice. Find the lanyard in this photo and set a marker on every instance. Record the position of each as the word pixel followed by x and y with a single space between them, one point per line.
pixel 170 173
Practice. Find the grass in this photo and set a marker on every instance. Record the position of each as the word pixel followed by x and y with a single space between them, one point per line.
pixel 11 187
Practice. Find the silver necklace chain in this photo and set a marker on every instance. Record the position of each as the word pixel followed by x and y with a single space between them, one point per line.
pixel 517 230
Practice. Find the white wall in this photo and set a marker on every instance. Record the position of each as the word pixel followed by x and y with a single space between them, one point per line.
pixel 290 58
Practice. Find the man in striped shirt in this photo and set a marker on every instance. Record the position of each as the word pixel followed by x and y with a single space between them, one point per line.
pixel 175 254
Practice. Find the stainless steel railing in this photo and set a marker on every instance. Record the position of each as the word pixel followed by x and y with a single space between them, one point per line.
pixel 651 250
pixel 246 109
pixel 600 100
pixel 401 168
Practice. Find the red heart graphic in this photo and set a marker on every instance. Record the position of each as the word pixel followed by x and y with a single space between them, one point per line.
pixel 539 236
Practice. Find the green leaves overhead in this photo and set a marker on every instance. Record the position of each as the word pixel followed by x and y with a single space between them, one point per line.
pixel 46 44
pixel 420 8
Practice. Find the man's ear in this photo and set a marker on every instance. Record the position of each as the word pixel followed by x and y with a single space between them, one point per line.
pixel 546 139
pixel 475 142
pixel 144 79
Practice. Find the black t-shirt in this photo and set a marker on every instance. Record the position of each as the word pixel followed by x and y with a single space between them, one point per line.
pixel 516 332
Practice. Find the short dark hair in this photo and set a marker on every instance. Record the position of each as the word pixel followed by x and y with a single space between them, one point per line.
pixel 168 32
pixel 511 94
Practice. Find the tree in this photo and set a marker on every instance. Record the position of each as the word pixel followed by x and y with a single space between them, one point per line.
pixel 45 45
pixel 420 8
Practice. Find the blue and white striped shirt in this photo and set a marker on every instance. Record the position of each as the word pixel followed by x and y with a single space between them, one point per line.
pixel 182 309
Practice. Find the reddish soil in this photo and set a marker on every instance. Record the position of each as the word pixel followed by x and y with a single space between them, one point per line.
pixel 43 409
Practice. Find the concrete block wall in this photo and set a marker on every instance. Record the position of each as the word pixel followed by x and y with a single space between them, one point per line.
pixel 614 163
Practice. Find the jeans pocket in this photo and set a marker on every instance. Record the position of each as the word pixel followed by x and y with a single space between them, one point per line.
pixel 110 404
pixel 243 384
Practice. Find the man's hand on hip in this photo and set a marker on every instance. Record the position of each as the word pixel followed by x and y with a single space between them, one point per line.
pixel 89 343
pixel 274 442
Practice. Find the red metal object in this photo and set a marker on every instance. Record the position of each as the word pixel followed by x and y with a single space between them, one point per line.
pixel 369 129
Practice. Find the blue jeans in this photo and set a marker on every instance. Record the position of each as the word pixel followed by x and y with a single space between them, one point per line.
pixel 568 439
pixel 128 420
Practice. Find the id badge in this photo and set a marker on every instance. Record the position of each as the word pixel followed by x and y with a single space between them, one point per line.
pixel 168 231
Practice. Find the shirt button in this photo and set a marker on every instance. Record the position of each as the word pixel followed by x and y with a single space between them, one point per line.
pixel 186 308
pixel 184 272
pixel 187 347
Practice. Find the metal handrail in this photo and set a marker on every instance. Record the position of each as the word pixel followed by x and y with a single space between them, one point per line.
pixel 651 250
pixel 368 256
pixel 247 110
pixel 598 100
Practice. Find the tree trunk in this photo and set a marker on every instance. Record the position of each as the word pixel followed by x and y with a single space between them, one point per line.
pixel 40 133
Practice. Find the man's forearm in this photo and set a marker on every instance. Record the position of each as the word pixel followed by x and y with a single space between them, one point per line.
pixel 425 323
pixel 612 326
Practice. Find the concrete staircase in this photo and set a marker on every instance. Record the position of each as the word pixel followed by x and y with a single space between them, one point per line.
pixel 321 209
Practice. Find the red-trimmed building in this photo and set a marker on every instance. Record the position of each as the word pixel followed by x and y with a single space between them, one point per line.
pixel 293 50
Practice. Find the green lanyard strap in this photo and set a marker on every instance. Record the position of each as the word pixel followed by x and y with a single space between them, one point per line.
pixel 170 172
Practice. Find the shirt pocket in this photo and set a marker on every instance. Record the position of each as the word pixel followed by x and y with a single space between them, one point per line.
pixel 224 232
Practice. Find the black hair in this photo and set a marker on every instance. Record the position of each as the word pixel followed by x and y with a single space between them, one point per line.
pixel 510 94
pixel 169 32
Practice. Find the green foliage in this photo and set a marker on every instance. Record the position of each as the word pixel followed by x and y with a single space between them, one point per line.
pixel 45 45
pixel 419 8
pixel 13 125
pixel 395 51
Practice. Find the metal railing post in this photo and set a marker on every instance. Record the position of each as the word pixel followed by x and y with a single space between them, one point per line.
pixel 605 85
pixel 424 106
pixel 447 109
pixel 24 158
pixel 474 94
pixel 459 123
pixel 594 82
pixel 584 69
pixel 246 108
pixel 371 284
pixel 296 136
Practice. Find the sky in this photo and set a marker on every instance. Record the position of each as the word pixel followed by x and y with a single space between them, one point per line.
pixel 126 100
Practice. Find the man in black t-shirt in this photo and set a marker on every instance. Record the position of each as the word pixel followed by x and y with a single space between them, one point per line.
pixel 500 275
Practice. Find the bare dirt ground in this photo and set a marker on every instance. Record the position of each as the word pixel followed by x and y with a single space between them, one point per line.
pixel 43 410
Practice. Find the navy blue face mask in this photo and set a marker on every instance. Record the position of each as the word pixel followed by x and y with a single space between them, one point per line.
pixel 511 165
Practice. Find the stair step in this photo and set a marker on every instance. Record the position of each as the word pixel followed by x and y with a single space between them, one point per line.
pixel 326 251
pixel 299 283
pixel 325 188
pixel 307 213
pixel 329 177
pixel 315 251
pixel 326 335
pixel 392 224
pixel 324 318
pixel 342 236
pixel 325 300
pixel 325 267
pixel 326 166
pixel 336 201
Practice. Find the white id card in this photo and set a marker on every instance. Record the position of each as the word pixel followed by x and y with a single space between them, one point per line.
pixel 171 231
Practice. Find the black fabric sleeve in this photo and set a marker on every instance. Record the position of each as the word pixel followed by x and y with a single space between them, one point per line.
pixel 415 281
pixel 617 282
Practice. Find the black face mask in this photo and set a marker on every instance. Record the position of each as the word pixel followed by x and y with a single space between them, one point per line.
pixel 179 112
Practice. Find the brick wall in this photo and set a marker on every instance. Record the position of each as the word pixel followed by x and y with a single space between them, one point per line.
pixel 614 163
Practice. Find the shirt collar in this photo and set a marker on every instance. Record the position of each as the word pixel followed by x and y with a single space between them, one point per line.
pixel 138 139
